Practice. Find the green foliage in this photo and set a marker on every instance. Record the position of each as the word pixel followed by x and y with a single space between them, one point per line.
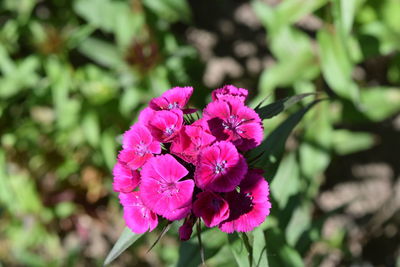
pixel 74 74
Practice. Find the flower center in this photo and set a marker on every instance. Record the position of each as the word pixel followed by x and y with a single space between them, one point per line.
pixel 168 188
pixel 141 149
pixel 232 123
pixel 220 167
pixel 169 130
pixel 173 105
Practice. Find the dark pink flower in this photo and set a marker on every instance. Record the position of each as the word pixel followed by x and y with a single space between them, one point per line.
pixel 212 208
pixel 161 189
pixel 125 179
pixel 175 98
pixel 229 92
pixel 191 139
pixel 250 206
pixel 137 216
pixel 233 121
pixel 220 167
pixel 185 231
pixel 165 125
pixel 138 146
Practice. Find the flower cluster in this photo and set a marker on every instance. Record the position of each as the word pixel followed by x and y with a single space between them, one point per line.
pixel 174 166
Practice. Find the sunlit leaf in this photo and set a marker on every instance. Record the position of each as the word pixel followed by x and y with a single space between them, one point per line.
pixel 347 142
pixel 126 239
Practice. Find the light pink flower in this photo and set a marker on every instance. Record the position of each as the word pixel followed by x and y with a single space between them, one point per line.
pixel 138 146
pixel 228 92
pixel 137 216
pixel 190 141
pixel 125 179
pixel 175 98
pixel 161 189
pixel 165 125
pixel 250 206
pixel 212 208
pixel 220 167
pixel 233 121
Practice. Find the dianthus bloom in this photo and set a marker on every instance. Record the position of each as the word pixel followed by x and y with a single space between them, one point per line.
pixel 178 165
pixel 250 206
pixel 138 146
pixel 162 190
pixel 232 121
pixel 220 168
pixel 175 98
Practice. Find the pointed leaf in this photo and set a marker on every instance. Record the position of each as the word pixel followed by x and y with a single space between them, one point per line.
pixel 238 249
pixel 268 154
pixel 126 239
pixel 273 109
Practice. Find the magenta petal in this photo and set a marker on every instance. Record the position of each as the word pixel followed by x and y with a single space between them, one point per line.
pixel 220 168
pixel 138 134
pixel 212 208
pixel 155 147
pixel 165 125
pixel 137 216
pixel 175 98
pixel 132 160
pixel 231 120
pixel 145 116
pixel 250 206
pixel 229 91
pixel 125 180
pixel 161 190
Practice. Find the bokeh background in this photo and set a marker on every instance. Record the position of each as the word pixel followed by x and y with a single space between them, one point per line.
pixel 75 73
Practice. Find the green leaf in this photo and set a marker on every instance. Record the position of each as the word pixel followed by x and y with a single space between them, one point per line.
pixel 101 52
pixel 90 126
pixel 347 142
pixel 347 12
pixel 108 149
pixel 268 154
pixel 300 221
pixel 286 182
pixel 273 109
pixel 239 250
pixel 260 253
pixel 170 10
pixel 336 64
pixel 126 239
pixel 379 103
pixel 189 251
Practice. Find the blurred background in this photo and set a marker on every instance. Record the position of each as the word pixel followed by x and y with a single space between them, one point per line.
pixel 75 73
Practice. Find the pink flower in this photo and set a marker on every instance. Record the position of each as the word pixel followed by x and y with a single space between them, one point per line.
pixel 250 206
pixel 220 168
pixel 212 208
pixel 191 139
pixel 138 146
pixel 145 116
pixel 165 125
pixel 233 121
pixel 229 92
pixel 125 180
pixel 136 215
pixel 161 189
pixel 175 98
